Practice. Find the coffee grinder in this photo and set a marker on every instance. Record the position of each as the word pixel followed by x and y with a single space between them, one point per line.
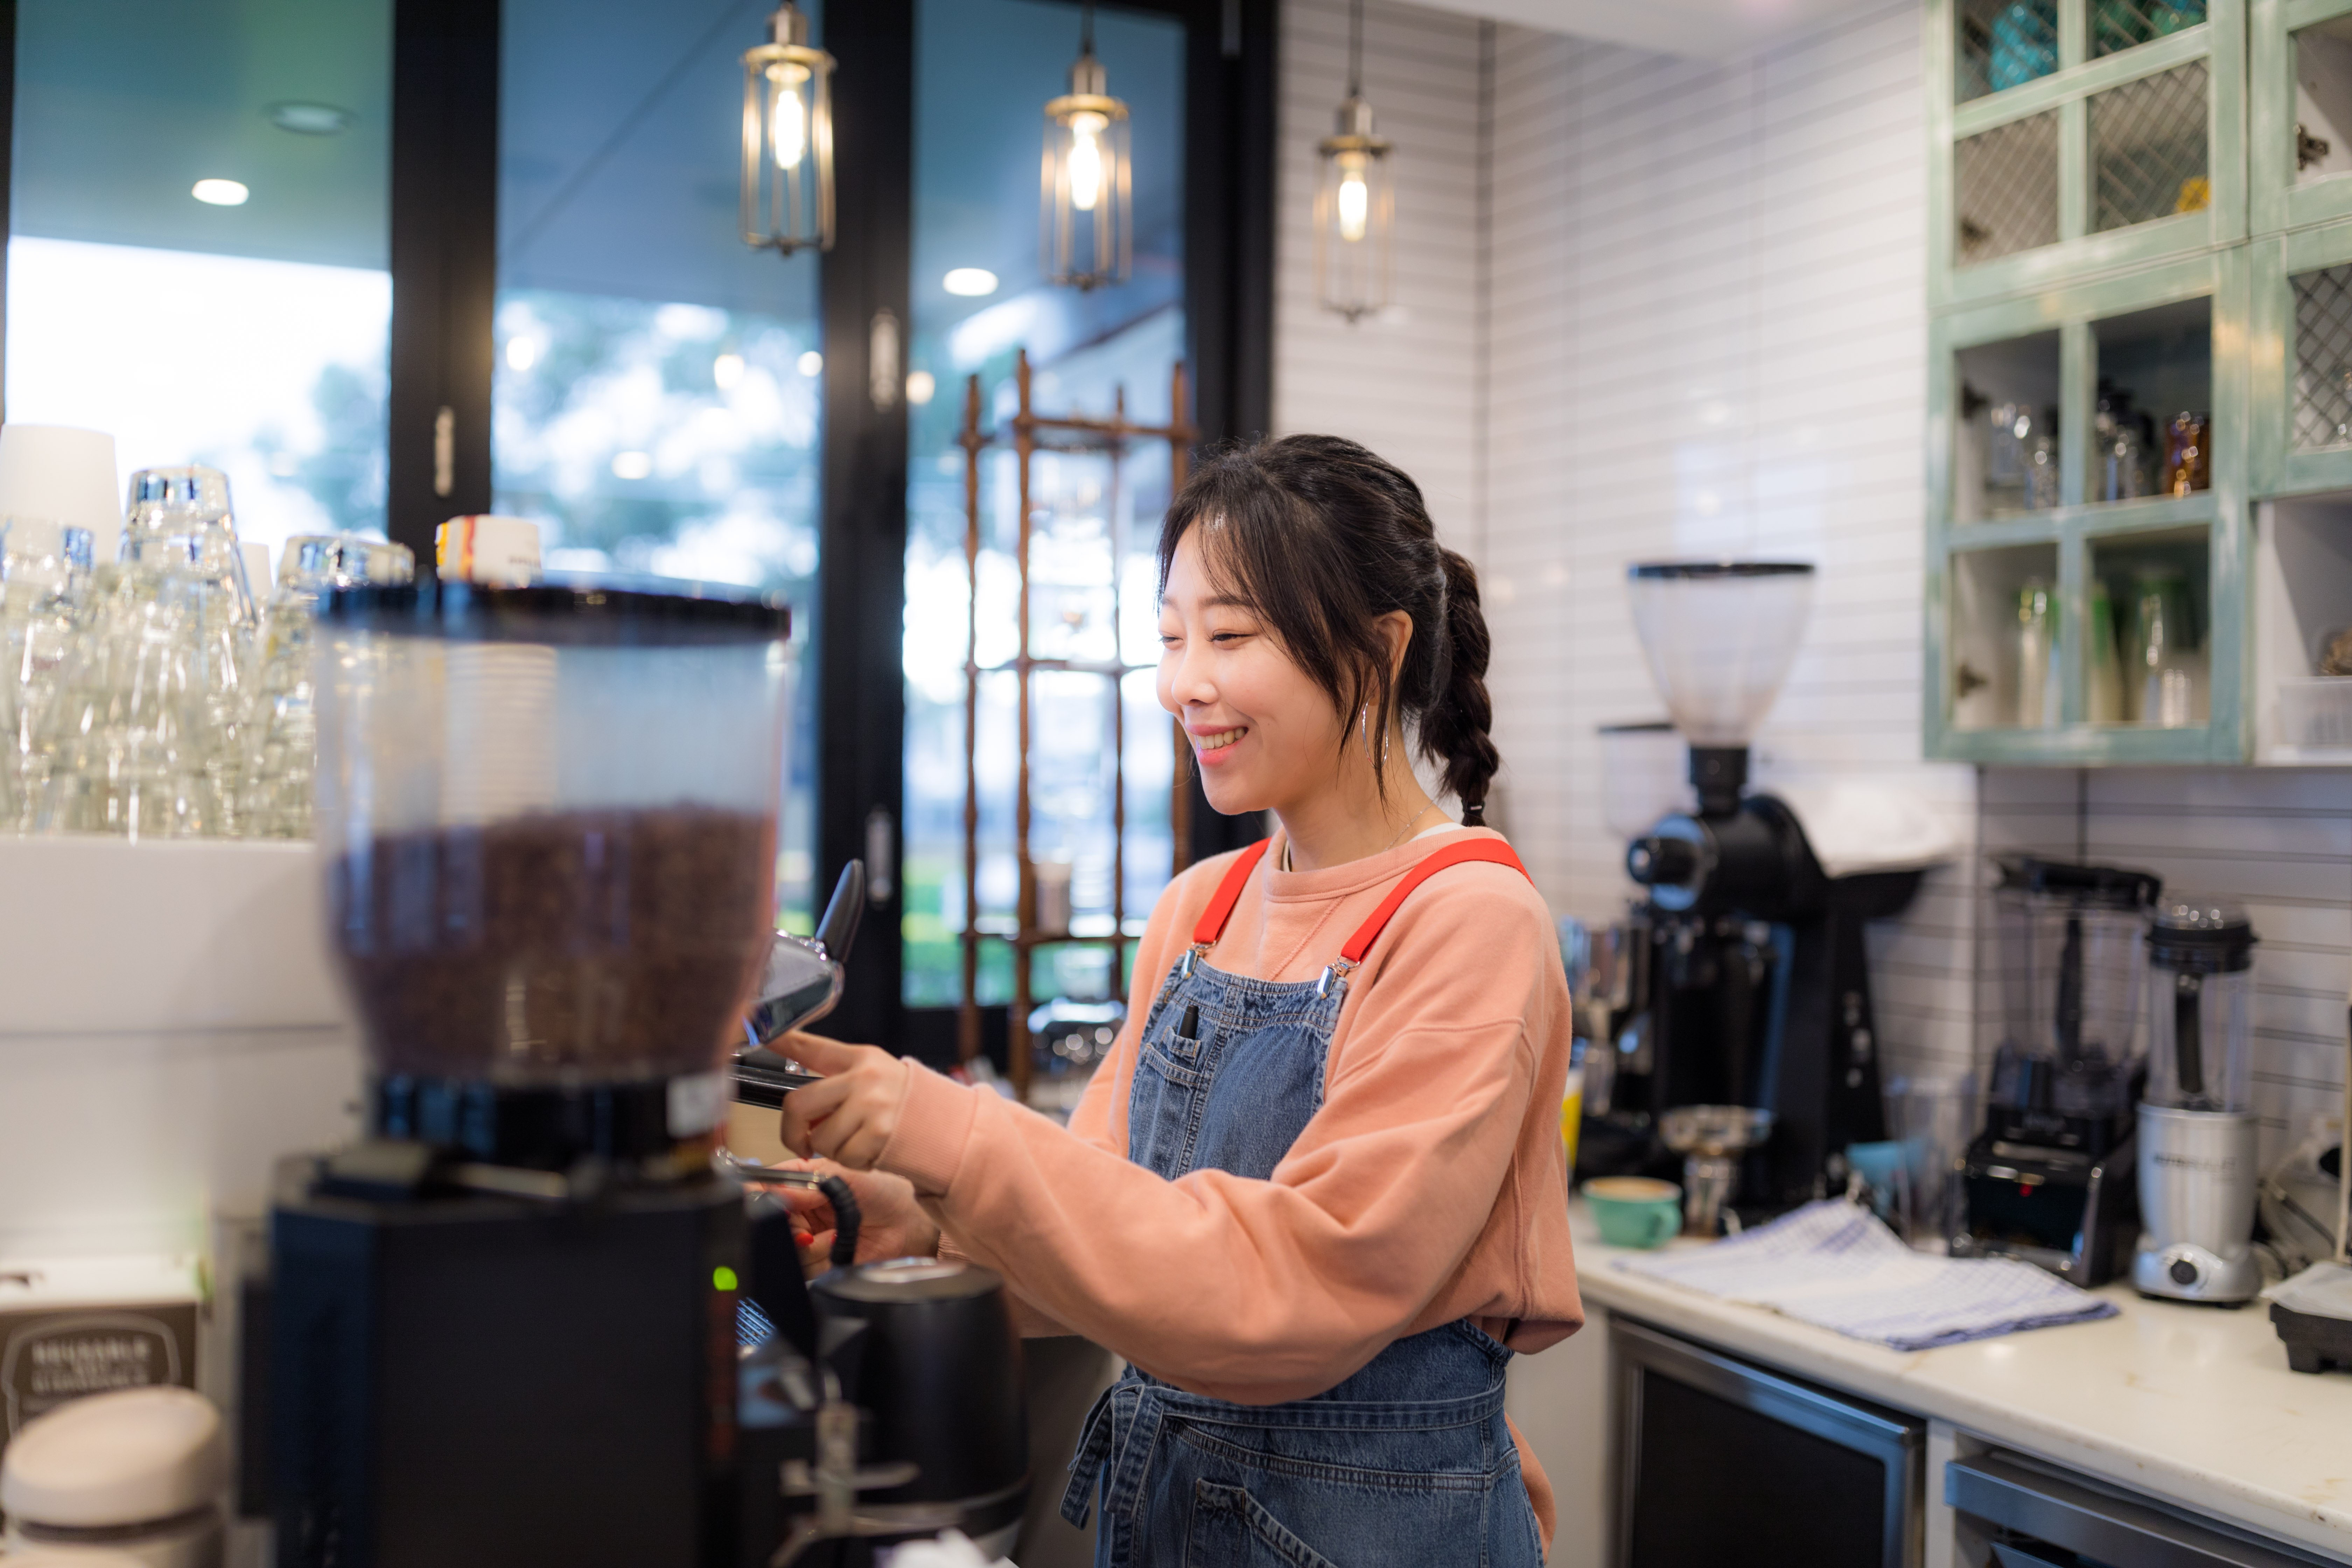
pixel 2050 1179
pixel 510 1324
pixel 2196 1131
pixel 1757 988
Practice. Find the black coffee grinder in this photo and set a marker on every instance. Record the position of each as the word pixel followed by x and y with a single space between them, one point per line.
pixel 1757 990
pixel 534 1317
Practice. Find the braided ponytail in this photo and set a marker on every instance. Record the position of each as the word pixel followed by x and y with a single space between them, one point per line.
pixel 1453 727
pixel 1321 538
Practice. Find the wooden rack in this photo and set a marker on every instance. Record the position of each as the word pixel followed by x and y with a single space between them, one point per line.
pixel 1030 432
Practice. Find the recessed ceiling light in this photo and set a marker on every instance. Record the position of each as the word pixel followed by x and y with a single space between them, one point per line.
pixel 632 465
pixel 727 370
pixel 972 282
pixel 812 364
pixel 220 192
pixel 920 385
pixel 311 119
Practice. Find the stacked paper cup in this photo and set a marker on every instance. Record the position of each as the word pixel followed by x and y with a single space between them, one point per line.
pixel 500 754
pixel 54 471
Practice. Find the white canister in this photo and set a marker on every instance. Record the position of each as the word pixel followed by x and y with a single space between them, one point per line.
pixel 135 1474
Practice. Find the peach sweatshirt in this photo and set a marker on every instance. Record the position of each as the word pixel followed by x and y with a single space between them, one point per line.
pixel 1430 1186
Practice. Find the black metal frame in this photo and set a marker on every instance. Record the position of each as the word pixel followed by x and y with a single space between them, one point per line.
pixel 445 262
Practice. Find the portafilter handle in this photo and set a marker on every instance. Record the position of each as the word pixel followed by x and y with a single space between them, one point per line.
pixel 799 984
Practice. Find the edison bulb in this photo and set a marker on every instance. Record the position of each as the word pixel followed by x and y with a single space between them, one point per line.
pixel 1087 159
pixel 1355 198
pixel 787 115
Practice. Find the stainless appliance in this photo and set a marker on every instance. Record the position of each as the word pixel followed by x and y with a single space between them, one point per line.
pixel 2197 1173
pixel 2050 1177
pixel 2015 1511
pixel 1719 1461
pixel 1711 1139
pixel 1756 990
pixel 533 1316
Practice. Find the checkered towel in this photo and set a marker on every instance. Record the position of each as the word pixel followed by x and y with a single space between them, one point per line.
pixel 1833 1264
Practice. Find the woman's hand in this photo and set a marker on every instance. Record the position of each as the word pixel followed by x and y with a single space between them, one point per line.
pixel 891 1224
pixel 850 1116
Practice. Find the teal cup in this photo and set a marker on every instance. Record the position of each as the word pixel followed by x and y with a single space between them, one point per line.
pixel 1635 1211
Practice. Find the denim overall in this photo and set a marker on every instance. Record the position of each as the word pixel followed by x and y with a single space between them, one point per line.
pixel 1407 1461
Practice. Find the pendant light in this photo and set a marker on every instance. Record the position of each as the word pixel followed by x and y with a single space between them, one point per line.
pixel 1085 206
pixel 787 139
pixel 1355 199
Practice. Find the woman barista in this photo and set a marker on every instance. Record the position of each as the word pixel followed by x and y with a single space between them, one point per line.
pixel 1315 1195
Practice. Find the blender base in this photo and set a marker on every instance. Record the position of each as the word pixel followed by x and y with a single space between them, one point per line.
pixel 2187 1273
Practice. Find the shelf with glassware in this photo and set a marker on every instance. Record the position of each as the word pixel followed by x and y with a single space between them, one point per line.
pixel 1073 570
pixel 2298 113
pixel 2072 138
pixel 2087 532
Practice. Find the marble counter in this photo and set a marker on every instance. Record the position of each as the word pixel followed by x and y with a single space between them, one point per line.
pixel 2192 1405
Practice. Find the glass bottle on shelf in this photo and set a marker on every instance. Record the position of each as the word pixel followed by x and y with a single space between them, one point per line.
pixel 2102 688
pixel 2189 454
pixel 2040 695
pixel 2119 451
pixel 2167 671
pixel 2042 462
pixel 2021 462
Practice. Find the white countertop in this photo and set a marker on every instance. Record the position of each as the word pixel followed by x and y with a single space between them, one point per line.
pixel 2191 1404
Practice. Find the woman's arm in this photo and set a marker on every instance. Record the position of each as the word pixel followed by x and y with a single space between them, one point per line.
pixel 1264 1290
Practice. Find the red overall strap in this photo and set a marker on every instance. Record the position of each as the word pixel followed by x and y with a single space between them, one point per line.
pixel 1229 893
pixel 1488 849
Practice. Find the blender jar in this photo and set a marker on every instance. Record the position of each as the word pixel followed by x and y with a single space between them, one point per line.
pixel 2200 1005
pixel 547 817
pixel 2072 962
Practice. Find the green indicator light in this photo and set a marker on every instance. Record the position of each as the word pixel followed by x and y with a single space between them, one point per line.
pixel 722 1277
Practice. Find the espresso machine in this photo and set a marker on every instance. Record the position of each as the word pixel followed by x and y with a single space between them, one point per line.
pixel 2197 1171
pixel 2049 1178
pixel 537 1313
pixel 1755 991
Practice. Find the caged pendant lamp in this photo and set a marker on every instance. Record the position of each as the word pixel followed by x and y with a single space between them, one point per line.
pixel 787 139
pixel 1085 208
pixel 1355 199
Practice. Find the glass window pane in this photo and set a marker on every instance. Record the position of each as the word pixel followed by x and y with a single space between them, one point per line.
pixel 2002 44
pixel 984 72
pixel 2323 100
pixel 2117 24
pixel 2005 189
pixel 656 402
pixel 247 330
pixel 2148 149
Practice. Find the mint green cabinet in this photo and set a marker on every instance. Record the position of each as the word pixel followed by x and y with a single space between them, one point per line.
pixel 2044 527
pixel 2140 212
pixel 2070 138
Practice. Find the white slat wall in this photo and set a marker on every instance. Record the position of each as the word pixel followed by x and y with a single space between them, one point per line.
pixel 1406 383
pixel 1707 334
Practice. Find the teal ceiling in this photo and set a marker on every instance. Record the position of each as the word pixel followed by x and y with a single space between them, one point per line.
pixel 123 105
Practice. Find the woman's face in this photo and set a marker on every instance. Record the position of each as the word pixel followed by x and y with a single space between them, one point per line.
pixel 1264 734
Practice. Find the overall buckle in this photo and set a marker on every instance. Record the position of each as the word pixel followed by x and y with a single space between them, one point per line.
pixel 1336 972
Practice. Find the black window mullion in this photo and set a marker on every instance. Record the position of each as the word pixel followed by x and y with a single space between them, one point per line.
pixel 857 677
pixel 445 263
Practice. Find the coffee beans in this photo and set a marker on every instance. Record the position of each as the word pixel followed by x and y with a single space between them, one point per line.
pixel 558 946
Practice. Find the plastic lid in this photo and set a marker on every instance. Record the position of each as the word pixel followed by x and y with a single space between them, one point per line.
pixel 571 617
pixel 2195 931
pixel 124 1458
pixel 911 1279
pixel 2104 887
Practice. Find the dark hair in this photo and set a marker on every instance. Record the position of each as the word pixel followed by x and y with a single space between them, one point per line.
pixel 1320 538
